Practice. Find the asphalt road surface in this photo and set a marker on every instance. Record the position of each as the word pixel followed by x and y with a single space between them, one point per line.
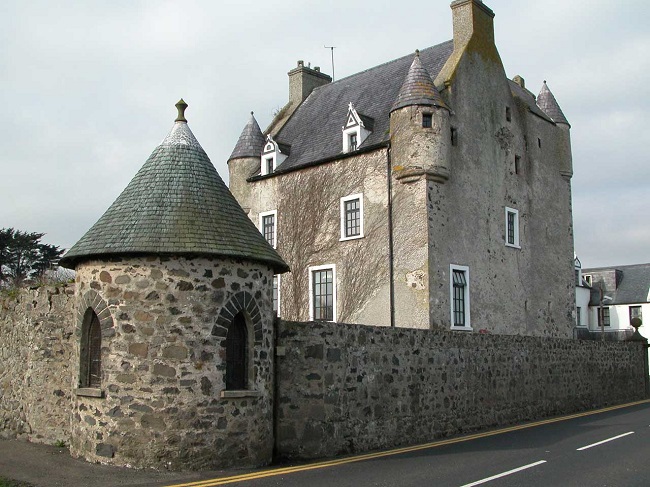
pixel 611 448
pixel 605 448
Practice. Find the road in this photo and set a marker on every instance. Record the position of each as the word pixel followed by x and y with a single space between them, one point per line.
pixel 610 448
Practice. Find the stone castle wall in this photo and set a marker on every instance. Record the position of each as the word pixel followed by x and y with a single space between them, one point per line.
pixel 352 388
pixel 341 388
pixel 36 368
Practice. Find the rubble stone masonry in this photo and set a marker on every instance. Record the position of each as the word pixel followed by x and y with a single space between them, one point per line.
pixel 352 388
pixel 36 371
pixel 341 388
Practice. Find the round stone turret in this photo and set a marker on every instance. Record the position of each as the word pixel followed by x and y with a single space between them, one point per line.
pixel 245 160
pixel 547 102
pixel 174 321
pixel 420 129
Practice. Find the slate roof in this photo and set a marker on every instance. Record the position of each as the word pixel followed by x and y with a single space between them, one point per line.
pixel 633 284
pixel 550 106
pixel 176 204
pixel 314 130
pixel 418 88
pixel 529 99
pixel 251 141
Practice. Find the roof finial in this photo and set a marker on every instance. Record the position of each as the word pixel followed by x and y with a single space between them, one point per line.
pixel 252 113
pixel 417 52
pixel 181 106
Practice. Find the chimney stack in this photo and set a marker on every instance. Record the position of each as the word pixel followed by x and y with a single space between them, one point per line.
pixel 303 80
pixel 473 20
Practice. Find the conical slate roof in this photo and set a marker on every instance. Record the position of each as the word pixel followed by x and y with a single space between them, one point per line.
pixel 251 141
pixel 176 204
pixel 418 88
pixel 547 102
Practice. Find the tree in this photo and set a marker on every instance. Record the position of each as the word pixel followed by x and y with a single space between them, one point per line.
pixel 23 256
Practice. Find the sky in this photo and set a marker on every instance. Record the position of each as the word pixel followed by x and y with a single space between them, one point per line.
pixel 88 91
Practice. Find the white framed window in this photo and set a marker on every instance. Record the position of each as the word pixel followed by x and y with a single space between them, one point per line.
pixel 322 293
pixel 587 278
pixel 604 316
pixel 512 228
pixel 269 165
pixel 352 216
pixel 269 226
pixel 276 294
pixel 459 297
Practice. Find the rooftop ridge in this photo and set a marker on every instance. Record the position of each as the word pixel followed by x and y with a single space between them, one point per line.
pixel 384 64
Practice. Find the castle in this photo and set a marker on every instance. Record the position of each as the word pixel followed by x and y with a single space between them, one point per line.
pixel 430 191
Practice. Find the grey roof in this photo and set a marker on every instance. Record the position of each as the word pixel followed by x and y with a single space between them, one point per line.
pixel 176 204
pixel 550 106
pixel 251 141
pixel 627 284
pixel 314 129
pixel 418 88
pixel 529 99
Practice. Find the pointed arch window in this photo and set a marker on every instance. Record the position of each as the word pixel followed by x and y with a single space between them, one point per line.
pixel 237 354
pixel 91 352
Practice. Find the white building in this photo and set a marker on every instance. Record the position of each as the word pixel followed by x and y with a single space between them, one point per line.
pixel 616 295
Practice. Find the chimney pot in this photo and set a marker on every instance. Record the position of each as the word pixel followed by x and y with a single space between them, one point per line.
pixel 301 63
pixel 317 68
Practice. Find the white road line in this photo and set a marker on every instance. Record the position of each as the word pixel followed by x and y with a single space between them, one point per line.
pixel 509 472
pixel 605 441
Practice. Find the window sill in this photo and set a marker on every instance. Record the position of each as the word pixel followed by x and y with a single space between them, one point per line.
pixel 462 328
pixel 355 237
pixel 239 394
pixel 513 246
pixel 89 392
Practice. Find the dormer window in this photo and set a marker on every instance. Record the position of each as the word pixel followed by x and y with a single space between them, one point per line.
pixel 273 155
pixel 356 129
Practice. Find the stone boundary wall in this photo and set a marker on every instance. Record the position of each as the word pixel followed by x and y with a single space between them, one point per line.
pixel 352 388
pixel 36 377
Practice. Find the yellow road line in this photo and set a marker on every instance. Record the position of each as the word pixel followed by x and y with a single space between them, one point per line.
pixel 368 456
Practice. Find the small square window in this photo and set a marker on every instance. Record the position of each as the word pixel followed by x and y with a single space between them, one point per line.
pixel 512 227
pixel 427 120
pixel 352 217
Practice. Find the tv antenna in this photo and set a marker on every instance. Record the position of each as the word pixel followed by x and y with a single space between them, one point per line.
pixel 331 48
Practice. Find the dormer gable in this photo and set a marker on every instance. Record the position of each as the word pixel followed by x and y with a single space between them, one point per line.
pixel 356 130
pixel 273 154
